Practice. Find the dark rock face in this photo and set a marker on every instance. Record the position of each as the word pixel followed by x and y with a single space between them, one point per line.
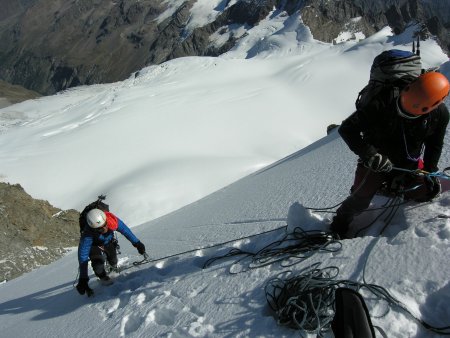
pixel 33 233
pixel 48 46
pixel 327 18
pixel 54 45
pixel 326 21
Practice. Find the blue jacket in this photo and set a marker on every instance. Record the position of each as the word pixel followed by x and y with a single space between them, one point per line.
pixel 90 238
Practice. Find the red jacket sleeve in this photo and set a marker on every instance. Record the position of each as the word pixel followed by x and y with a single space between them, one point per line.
pixel 112 221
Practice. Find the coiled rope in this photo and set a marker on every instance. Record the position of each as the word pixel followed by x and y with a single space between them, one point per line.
pixel 306 301
pixel 292 249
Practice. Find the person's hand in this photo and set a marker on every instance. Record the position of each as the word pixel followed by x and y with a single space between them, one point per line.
pixel 140 248
pixel 83 287
pixel 378 163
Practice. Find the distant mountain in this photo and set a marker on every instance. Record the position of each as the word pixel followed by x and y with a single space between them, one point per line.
pixel 48 46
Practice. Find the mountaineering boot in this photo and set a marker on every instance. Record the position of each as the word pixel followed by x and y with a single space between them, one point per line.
pixel 339 228
pixel 112 268
pixel 106 280
pixel 114 271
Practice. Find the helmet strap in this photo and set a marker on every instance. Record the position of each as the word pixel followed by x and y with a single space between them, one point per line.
pixel 403 114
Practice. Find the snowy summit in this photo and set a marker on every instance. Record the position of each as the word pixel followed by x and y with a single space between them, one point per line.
pixel 201 156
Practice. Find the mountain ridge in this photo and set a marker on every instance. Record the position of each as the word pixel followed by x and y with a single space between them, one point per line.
pixel 51 46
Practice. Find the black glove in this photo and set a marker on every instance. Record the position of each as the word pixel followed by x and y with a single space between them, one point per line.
pixel 140 247
pixel 83 287
pixel 378 163
pixel 433 187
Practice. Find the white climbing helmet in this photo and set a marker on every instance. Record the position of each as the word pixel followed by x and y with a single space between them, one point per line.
pixel 96 218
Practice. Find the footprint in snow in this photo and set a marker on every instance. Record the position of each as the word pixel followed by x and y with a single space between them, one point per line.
pixel 162 317
pixel 199 329
pixel 130 323
pixel 166 266
pixel 444 231
pixel 420 232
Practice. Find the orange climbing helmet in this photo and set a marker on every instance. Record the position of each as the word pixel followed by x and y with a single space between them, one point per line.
pixel 424 94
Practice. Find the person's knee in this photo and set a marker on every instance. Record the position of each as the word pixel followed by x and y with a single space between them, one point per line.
pixel 99 268
pixel 354 205
pixel 360 204
pixel 113 260
pixel 111 254
pixel 98 264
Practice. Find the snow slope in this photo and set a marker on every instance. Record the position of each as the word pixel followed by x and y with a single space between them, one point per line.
pixel 175 133
pixel 175 297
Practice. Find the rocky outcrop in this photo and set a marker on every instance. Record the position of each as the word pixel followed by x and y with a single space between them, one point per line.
pixel 327 19
pixel 10 94
pixel 48 46
pixel 33 233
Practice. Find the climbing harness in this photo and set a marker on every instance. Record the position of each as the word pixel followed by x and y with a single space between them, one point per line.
pixel 408 156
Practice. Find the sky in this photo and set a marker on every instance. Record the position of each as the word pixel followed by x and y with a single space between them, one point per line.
pixel 204 155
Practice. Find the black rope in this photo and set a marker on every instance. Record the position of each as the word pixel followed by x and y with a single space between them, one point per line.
pixel 442 174
pixel 74 284
pixel 146 261
pixel 292 249
pixel 306 301
pixel 325 209
pixel 392 206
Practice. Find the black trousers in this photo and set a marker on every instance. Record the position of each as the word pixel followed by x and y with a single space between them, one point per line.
pixel 99 255
pixel 364 188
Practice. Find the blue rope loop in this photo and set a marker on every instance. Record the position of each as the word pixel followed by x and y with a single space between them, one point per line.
pixel 419 172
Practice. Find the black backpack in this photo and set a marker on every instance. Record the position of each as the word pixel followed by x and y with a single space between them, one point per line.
pixel 352 318
pixel 98 204
pixel 391 69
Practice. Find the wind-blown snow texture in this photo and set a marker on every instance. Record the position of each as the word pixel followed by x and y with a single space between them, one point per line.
pixel 175 133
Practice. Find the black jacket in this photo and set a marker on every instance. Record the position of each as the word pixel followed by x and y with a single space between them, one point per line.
pixel 378 128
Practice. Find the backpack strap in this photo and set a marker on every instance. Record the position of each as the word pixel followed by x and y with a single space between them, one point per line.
pixel 375 91
pixel 395 92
